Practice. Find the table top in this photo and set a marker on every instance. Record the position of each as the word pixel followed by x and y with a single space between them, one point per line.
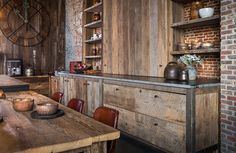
pixel 20 133
pixel 10 84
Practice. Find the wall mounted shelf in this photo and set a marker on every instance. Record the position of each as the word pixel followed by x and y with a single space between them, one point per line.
pixel 95 24
pixel 95 8
pixel 93 57
pixel 183 1
pixel 197 51
pixel 93 41
pixel 197 22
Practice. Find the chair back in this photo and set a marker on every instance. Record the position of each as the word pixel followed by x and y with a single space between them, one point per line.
pixel 76 104
pixel 57 96
pixel 109 117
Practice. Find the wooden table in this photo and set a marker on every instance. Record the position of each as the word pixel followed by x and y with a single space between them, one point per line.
pixel 20 133
pixel 9 84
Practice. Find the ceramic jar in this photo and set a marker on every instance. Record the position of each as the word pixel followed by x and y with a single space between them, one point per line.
pixel 192 72
pixel 195 9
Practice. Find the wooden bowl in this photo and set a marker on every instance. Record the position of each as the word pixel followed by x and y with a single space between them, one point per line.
pixel 2 95
pixel 23 104
pixel 46 108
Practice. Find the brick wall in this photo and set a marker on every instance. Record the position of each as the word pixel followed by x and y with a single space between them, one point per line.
pixel 74 13
pixel 228 76
pixel 211 34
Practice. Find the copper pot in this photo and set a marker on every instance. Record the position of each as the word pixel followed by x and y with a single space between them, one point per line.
pixel 23 104
pixel 96 16
pixel 171 71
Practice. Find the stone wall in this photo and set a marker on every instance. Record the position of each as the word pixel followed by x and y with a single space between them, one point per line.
pixel 74 13
pixel 228 76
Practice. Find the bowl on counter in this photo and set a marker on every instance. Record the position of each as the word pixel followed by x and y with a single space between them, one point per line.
pixel 46 108
pixel 207 45
pixel 206 12
pixel 23 104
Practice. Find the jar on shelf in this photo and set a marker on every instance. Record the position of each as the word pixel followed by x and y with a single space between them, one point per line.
pixel 195 8
pixel 96 1
pixel 96 16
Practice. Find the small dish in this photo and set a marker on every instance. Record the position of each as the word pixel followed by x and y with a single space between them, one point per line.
pixel 46 108
pixel 23 104
pixel 207 45
pixel 206 12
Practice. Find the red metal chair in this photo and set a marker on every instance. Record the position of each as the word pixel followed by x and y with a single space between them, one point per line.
pixel 57 96
pixel 76 104
pixel 109 117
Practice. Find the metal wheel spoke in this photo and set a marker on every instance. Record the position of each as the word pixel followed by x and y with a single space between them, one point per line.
pixel 16 30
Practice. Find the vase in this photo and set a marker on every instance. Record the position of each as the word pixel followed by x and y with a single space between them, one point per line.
pixel 192 72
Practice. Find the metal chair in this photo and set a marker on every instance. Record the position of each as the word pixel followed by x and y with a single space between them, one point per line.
pixel 109 117
pixel 76 104
pixel 57 96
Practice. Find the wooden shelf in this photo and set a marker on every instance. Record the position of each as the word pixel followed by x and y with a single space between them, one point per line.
pixel 93 41
pixel 95 24
pixel 197 22
pixel 93 57
pixel 197 51
pixel 95 8
pixel 183 1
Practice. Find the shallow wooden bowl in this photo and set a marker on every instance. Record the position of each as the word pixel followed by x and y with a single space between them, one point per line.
pixel 23 104
pixel 2 95
pixel 46 108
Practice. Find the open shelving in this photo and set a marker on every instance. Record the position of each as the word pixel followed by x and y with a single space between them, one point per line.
pixel 92 27
pixel 197 51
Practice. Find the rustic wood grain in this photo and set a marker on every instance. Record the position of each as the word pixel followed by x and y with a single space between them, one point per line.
pixel 162 105
pixel 39 84
pixel 135 37
pixel 20 133
pixel 54 85
pixel 207 121
pixel 93 96
pixel 166 135
pixel 53 46
pixel 10 84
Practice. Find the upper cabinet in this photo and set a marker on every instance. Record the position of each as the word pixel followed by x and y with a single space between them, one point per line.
pixel 92 33
pixel 193 34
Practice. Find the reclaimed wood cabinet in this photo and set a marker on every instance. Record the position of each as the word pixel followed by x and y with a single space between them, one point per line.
pixel 94 95
pixel 39 84
pixel 54 85
pixel 89 90
pixel 176 120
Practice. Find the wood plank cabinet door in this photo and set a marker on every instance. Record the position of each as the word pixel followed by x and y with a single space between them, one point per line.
pixel 74 88
pixel 94 96
pixel 54 85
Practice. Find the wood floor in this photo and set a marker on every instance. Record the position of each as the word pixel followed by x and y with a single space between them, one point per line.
pixel 127 144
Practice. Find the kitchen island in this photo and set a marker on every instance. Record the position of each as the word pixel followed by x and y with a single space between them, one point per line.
pixel 9 84
pixel 175 116
pixel 20 133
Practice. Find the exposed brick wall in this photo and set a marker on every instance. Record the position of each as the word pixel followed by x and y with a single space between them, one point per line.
pixel 228 76
pixel 74 13
pixel 211 34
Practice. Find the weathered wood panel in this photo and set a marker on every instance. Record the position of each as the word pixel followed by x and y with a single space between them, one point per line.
pixel 162 105
pixel 166 135
pixel 20 133
pixel 136 37
pixel 39 84
pixel 93 96
pixel 50 53
pixel 207 119
pixel 54 85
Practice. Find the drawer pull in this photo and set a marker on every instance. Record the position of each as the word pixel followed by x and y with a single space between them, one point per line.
pixel 117 89
pixel 156 96
pixel 155 124
pixel 140 90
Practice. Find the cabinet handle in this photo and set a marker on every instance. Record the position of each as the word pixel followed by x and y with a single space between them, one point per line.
pixel 155 124
pixel 117 89
pixel 156 96
pixel 160 65
pixel 140 90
